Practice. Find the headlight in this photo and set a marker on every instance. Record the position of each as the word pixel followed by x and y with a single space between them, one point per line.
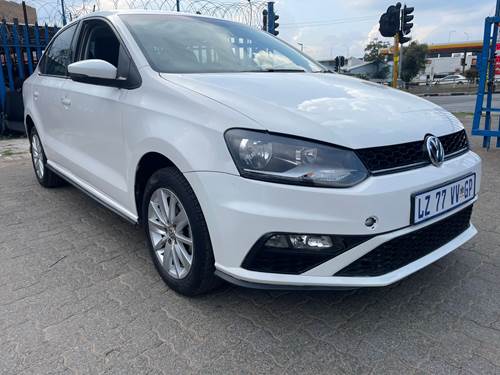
pixel 288 160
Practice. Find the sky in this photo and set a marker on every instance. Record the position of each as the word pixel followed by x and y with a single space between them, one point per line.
pixel 329 28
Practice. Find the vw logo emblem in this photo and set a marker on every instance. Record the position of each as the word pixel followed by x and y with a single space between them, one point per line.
pixel 435 150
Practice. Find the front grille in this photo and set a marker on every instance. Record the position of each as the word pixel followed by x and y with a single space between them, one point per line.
pixel 390 159
pixel 406 249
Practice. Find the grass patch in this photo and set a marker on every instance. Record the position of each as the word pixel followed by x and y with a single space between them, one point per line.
pixel 8 136
pixel 463 114
pixel 9 152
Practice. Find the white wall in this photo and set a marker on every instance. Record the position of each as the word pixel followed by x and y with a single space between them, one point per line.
pixel 446 65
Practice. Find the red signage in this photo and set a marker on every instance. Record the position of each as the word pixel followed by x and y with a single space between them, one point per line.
pixel 497 61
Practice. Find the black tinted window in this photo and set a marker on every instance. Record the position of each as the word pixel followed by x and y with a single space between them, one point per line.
pixel 59 55
pixel 101 43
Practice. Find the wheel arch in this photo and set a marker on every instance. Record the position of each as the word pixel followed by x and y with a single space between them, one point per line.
pixel 29 124
pixel 148 164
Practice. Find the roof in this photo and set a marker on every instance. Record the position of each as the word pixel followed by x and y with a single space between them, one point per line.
pixel 473 46
pixel 109 13
pixel 366 63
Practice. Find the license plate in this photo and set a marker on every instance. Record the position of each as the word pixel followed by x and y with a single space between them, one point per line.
pixel 429 204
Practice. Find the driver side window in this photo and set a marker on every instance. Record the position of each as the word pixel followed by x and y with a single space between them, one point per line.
pixel 99 42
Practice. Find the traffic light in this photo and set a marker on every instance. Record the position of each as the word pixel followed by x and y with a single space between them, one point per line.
pixel 339 62
pixel 276 25
pixel 406 24
pixel 390 21
pixel 264 20
pixel 406 18
pixel 272 17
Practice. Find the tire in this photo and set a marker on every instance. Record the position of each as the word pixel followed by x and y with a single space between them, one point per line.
pixel 44 175
pixel 187 268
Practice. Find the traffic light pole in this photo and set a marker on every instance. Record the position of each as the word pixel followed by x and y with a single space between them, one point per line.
pixel 395 67
pixel 400 62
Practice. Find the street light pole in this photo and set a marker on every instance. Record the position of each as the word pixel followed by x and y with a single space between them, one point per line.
pixel 449 35
pixel 251 10
pixel 178 5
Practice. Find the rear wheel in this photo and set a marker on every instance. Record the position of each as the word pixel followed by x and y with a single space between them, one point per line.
pixel 45 176
pixel 177 233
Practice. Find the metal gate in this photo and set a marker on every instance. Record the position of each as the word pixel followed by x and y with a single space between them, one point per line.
pixel 21 48
pixel 487 72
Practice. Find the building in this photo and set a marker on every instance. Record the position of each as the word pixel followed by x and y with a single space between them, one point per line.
pixel 451 58
pixel 10 10
pixel 357 67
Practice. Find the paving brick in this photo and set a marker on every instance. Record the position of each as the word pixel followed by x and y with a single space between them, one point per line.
pixel 79 294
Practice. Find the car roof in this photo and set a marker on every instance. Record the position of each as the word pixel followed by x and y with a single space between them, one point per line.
pixel 109 13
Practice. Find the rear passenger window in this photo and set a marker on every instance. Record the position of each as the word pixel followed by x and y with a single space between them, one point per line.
pixel 59 55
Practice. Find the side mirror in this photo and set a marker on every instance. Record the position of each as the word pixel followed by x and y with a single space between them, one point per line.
pixel 94 71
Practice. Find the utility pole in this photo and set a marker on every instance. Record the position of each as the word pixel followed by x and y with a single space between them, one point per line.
pixel 63 11
pixel 25 14
pixel 178 5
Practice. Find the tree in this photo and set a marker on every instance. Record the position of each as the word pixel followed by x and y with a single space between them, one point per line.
pixel 413 60
pixel 373 53
pixel 472 74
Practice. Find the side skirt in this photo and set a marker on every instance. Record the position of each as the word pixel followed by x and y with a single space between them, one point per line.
pixel 128 217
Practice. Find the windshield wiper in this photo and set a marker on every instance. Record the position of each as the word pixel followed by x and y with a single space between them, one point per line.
pixel 271 70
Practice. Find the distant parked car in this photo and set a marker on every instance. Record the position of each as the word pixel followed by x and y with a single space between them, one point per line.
pixel 454 79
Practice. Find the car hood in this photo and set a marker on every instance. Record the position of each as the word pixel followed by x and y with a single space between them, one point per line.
pixel 327 107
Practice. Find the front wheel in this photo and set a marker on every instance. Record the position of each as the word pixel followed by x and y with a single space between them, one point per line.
pixel 177 233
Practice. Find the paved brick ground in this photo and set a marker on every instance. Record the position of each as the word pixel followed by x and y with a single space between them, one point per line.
pixel 78 294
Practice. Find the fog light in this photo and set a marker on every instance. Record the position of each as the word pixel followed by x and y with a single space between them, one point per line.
pixel 278 240
pixel 312 242
pixel 303 241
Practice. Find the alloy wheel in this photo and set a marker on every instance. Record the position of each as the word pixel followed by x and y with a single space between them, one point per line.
pixel 37 155
pixel 170 233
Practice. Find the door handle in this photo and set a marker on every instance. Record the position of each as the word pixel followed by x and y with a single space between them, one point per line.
pixel 35 95
pixel 66 102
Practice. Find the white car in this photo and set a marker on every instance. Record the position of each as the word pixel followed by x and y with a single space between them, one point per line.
pixel 243 158
pixel 454 79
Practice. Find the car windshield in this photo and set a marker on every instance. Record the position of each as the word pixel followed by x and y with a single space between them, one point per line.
pixel 189 44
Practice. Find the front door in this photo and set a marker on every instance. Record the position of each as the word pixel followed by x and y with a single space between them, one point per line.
pixel 96 117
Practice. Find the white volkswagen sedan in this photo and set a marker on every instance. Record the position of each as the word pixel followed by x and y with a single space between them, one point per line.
pixel 243 158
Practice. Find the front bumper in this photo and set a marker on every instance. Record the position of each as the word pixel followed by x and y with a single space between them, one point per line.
pixel 239 211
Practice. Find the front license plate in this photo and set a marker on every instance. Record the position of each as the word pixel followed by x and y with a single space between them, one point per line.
pixel 429 204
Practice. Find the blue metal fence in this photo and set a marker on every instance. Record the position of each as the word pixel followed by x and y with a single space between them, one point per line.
pixel 21 48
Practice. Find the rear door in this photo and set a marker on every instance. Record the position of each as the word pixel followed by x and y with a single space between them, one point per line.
pixel 49 96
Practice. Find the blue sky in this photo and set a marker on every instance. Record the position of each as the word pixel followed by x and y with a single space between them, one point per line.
pixel 350 24
pixel 337 27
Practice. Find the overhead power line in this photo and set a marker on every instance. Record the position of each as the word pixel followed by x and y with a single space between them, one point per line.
pixel 329 22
